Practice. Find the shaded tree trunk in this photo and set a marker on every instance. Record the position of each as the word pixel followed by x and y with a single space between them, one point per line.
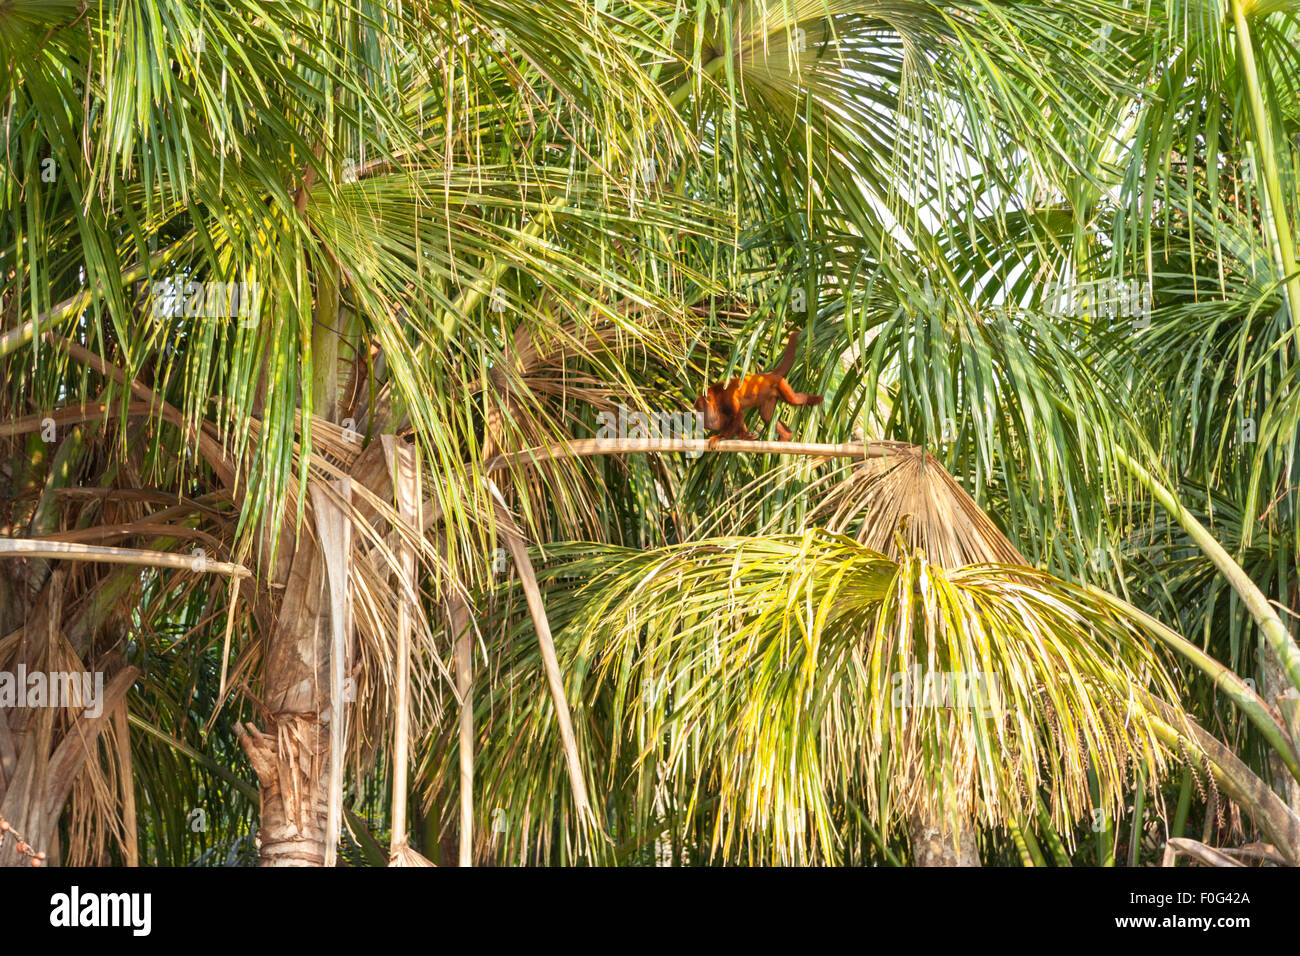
pixel 291 757
pixel 934 843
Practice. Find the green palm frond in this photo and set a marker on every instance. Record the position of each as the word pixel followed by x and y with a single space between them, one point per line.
pixel 774 679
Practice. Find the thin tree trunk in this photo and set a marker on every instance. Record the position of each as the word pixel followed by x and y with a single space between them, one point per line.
pixel 291 758
pixel 935 844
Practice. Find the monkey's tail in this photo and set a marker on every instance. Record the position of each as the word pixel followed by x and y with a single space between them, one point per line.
pixel 787 360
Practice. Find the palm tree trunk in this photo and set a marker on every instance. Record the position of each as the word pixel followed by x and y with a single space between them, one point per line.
pixel 291 758
pixel 934 843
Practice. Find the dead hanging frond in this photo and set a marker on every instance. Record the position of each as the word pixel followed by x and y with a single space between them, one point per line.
pixel 65 747
pixel 554 675
pixel 404 465
pixel 405 856
pixel 334 531
pixel 910 489
pixel 102 802
pixel 379 542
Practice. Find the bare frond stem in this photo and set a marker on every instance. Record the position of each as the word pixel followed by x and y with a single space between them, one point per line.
pixel 550 660
pixel 69 551
pixel 405 471
pixel 588 447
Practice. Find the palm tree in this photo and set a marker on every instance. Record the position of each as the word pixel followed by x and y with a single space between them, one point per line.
pixel 317 159
pixel 786 698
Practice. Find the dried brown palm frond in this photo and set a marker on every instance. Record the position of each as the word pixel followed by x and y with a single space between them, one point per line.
pixel 61 748
pixel 123 516
pixel 102 803
pixel 405 856
pixel 378 537
pixel 1203 854
pixel 909 490
pixel 89 571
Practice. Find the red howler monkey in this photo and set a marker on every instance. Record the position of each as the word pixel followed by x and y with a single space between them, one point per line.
pixel 724 406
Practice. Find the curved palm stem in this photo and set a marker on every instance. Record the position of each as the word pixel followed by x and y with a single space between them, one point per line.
pixel 1236 689
pixel 1277 819
pixel 70 551
pixel 1270 625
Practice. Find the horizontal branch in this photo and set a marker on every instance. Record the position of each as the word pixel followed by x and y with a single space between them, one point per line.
pixel 16 338
pixel 150 527
pixel 63 550
pixel 72 415
pixel 588 447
